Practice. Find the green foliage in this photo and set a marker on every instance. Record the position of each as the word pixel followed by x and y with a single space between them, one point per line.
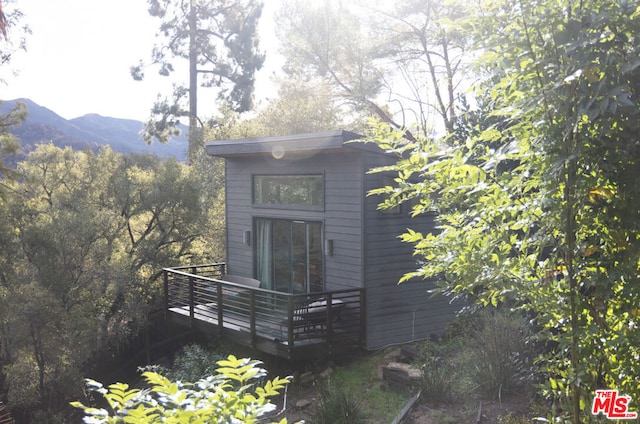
pixel 439 379
pixel 9 144
pixel 497 353
pixel 537 204
pixel 337 406
pixel 485 215
pixel 299 108
pixel 484 353
pixel 360 380
pixel 83 239
pixel 229 396
pixel 193 363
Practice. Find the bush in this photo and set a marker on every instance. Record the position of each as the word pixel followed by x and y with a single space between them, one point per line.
pixel 438 381
pixel 484 352
pixel 438 362
pixel 336 406
pixel 497 351
pixel 194 362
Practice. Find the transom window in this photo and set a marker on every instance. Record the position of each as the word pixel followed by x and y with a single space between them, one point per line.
pixel 289 190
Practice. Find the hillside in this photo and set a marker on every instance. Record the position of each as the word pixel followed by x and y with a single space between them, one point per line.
pixel 89 131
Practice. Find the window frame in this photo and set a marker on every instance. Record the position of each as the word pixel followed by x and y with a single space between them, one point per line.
pixel 289 206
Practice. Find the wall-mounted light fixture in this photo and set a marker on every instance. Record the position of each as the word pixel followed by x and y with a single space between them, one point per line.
pixel 246 237
pixel 328 247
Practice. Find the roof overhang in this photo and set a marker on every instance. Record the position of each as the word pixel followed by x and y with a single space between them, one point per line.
pixel 289 146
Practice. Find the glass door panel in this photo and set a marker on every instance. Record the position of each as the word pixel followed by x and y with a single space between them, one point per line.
pixel 299 268
pixel 289 256
pixel 282 255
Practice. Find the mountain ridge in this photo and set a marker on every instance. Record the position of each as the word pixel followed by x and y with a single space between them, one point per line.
pixel 90 131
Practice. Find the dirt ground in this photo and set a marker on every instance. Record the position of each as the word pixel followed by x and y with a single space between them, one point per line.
pixel 423 413
pixel 301 401
pixel 489 411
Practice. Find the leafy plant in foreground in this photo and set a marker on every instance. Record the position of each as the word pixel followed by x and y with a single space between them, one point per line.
pixel 230 396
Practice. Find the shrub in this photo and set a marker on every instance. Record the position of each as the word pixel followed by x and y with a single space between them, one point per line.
pixel 194 363
pixel 438 362
pixel 438 381
pixel 337 406
pixel 498 352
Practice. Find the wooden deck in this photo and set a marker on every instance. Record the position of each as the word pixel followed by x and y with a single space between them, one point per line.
pixel 294 327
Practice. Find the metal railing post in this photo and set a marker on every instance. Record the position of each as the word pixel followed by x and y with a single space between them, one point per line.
pixel 191 299
pixel 220 307
pixel 290 323
pixel 166 292
pixel 329 319
pixel 252 318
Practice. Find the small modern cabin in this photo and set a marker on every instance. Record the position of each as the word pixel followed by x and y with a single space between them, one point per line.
pixel 312 264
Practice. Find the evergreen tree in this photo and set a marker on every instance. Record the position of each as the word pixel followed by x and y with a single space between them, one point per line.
pixel 218 40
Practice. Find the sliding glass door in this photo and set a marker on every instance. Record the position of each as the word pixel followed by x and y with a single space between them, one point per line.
pixel 289 255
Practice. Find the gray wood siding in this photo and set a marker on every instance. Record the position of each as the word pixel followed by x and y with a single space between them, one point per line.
pixel 238 218
pixel 366 249
pixel 341 217
pixel 396 313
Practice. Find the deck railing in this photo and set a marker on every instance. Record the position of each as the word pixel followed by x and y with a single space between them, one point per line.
pixel 271 321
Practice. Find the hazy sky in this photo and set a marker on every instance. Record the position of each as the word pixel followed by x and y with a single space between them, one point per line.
pixel 79 54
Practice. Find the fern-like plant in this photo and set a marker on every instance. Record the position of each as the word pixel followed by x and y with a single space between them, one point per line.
pixel 231 396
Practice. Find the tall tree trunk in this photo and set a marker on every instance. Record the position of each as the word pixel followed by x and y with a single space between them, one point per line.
pixel 571 248
pixel 193 82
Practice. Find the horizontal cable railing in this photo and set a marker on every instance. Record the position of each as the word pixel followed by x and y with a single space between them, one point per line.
pixel 5 415
pixel 293 319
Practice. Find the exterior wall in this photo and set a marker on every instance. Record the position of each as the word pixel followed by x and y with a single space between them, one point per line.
pixel 396 313
pixel 373 258
pixel 342 216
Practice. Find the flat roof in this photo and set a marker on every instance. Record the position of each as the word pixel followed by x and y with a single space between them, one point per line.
pixel 281 146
